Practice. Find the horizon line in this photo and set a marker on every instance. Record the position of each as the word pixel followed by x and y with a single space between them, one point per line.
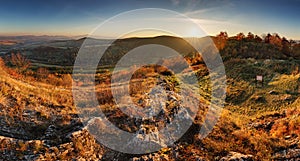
pixel 106 37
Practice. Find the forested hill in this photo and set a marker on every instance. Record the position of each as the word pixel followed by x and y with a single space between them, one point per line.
pixel 252 46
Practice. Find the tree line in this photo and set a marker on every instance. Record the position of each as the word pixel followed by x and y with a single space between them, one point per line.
pixel 266 46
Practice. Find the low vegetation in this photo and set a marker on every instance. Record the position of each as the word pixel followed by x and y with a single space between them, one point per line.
pixel 259 118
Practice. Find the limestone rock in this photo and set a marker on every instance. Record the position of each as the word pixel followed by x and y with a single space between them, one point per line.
pixel 234 156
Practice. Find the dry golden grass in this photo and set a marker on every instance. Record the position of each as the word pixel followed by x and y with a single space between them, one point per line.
pixel 289 125
pixel 232 133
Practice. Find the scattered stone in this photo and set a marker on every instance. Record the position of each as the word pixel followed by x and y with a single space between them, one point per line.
pixel 267 126
pixel 287 97
pixel 287 137
pixel 259 99
pixel 272 92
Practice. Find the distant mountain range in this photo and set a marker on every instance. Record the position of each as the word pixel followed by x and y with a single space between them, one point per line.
pixel 33 38
pixel 62 50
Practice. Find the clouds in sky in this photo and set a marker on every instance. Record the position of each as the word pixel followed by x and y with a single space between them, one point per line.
pixel 78 17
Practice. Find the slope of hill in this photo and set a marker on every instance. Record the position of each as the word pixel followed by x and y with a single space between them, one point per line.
pixel 259 121
pixel 62 53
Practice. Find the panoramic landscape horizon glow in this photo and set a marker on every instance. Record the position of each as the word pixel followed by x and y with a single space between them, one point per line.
pixel 77 18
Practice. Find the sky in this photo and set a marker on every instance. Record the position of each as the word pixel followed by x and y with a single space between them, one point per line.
pixel 74 17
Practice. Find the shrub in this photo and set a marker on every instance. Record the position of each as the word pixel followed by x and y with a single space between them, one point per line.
pixel 19 61
pixel 42 73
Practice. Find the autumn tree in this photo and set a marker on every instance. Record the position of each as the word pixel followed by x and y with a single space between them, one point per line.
pixel 296 50
pixel 222 35
pixel 221 39
pixel 276 40
pixel 257 38
pixel 240 36
pixel 250 36
pixel 267 38
pixel 286 46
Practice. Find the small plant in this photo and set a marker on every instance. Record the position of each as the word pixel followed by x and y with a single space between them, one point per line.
pixel 22 146
pixel 42 73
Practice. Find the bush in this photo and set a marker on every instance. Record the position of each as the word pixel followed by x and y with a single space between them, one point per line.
pixel 19 61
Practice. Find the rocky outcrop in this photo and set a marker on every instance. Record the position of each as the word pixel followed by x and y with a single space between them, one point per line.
pixel 289 154
pixel 234 156
pixel 151 157
pixel 82 147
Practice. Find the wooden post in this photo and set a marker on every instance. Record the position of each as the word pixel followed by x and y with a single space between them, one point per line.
pixel 259 78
